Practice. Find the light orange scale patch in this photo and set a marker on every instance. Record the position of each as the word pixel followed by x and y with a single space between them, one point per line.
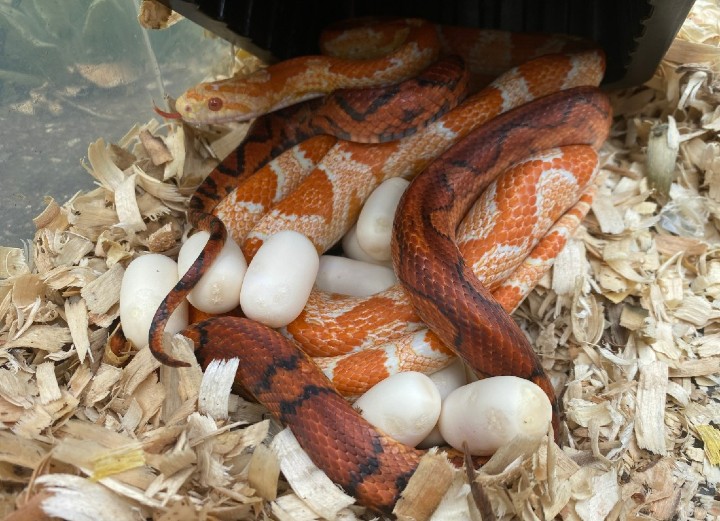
pixel 355 374
pixel 357 43
pixel 352 174
pixel 317 190
pixel 515 213
pixel 515 288
pixel 422 352
pixel 243 208
pixel 245 205
pixel 508 296
pixel 321 333
pixel 539 77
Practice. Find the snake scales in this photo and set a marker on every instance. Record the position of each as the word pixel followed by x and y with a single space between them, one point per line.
pixel 457 150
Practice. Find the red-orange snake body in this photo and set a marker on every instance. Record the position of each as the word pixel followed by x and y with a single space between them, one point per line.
pixel 367 464
pixel 362 460
pixel 426 258
pixel 443 290
pixel 370 115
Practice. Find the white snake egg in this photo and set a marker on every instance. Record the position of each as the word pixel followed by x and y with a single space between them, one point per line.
pixel 352 277
pixel 279 279
pixel 146 282
pixel 375 222
pixel 489 413
pixel 405 406
pixel 218 291
pixel 352 250
pixel 446 380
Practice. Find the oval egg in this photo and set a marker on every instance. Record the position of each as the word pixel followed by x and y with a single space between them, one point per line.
pixel 405 406
pixel 352 277
pixel 218 291
pixel 375 222
pixel 147 280
pixel 279 279
pixel 489 413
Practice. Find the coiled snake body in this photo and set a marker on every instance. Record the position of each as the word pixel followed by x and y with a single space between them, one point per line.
pixel 442 288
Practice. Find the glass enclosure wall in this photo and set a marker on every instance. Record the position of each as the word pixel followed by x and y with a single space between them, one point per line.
pixel 73 71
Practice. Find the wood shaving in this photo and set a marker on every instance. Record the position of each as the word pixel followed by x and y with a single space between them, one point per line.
pixel 155 15
pixel 425 490
pixel 320 494
pixel 627 325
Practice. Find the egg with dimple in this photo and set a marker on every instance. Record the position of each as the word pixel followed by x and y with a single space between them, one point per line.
pixel 405 406
pixel 147 280
pixel 375 222
pixel 352 250
pixel 489 413
pixel 218 291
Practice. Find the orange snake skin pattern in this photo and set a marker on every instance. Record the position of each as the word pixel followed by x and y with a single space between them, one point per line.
pixel 502 139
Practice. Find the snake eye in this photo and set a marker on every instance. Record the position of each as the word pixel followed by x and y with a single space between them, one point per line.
pixel 215 104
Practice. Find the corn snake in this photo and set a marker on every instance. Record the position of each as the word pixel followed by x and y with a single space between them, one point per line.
pixel 375 469
pixel 378 468
pixel 436 89
pixel 321 329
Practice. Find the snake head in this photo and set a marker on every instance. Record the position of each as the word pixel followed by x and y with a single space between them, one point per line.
pixel 200 105
pixel 244 97
pixel 221 101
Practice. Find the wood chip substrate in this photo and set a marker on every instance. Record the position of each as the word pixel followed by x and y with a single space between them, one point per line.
pixel 627 324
